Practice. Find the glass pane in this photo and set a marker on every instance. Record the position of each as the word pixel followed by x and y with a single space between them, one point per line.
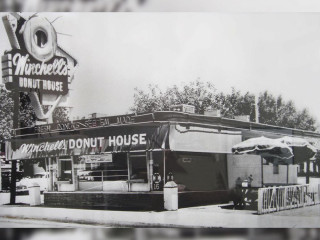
pixel 104 171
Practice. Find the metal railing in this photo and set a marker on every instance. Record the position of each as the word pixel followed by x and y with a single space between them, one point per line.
pixel 273 199
pixel 104 175
pixel 97 177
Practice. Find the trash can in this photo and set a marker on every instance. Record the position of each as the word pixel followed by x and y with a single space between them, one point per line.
pixel 170 195
pixel 34 194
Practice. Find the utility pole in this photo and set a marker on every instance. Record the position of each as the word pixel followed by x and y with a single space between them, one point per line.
pixel 256 99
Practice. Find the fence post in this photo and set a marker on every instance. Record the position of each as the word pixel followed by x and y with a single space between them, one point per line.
pixel 281 198
pixel 260 200
pixel 276 198
pixel 285 198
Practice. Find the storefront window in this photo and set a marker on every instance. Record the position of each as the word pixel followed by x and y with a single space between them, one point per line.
pixel 113 170
pixel 198 172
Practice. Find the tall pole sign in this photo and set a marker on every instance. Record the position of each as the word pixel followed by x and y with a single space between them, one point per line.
pixel 37 65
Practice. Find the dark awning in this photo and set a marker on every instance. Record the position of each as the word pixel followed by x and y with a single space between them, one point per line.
pixel 122 138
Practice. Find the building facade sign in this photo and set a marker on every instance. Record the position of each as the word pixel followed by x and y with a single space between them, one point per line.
pixel 78 124
pixel 88 142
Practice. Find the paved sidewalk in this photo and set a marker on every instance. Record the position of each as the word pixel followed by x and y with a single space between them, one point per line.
pixel 28 223
pixel 205 216
pixel 24 199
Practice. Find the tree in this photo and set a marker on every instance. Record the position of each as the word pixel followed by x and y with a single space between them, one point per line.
pixel 275 111
pixel 27 117
pixel 199 94
pixel 6 113
pixel 60 114
pixel 272 110
pixel 268 109
pixel 304 121
pixel 235 104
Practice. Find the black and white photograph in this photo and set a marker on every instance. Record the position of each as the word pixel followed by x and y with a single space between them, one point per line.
pixel 152 115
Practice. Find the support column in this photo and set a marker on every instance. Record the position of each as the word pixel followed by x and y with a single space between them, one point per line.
pixel 308 172
pixel 50 187
pixel 287 174
pixel 150 167
pixel 129 172
pixel 261 171
pixel 73 172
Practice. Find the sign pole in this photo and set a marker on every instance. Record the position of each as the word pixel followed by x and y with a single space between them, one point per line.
pixel 0 177
pixel 15 125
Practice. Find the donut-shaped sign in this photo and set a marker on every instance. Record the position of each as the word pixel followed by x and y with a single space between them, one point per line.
pixel 40 38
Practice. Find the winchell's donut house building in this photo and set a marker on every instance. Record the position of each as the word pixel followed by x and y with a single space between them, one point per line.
pixel 124 161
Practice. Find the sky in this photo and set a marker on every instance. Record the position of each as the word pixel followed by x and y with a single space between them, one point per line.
pixel 278 52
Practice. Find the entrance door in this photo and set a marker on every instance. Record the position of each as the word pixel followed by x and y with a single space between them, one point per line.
pixel 65 175
pixel 138 172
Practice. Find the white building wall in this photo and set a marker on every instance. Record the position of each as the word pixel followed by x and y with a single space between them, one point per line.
pixel 244 165
pixel 270 177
